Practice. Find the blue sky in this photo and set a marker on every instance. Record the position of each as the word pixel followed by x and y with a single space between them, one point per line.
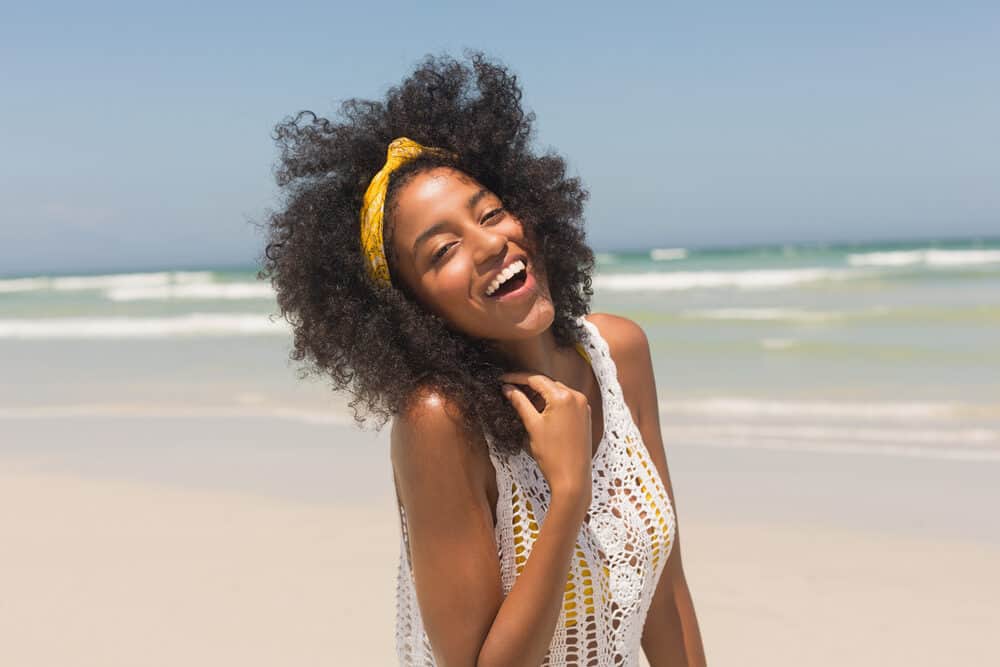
pixel 140 136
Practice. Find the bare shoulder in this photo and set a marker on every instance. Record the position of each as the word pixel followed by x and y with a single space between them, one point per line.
pixel 428 442
pixel 626 339
pixel 429 423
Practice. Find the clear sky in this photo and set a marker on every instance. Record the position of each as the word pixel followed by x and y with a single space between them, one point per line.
pixel 136 136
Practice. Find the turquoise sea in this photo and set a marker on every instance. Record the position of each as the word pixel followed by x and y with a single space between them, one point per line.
pixel 891 349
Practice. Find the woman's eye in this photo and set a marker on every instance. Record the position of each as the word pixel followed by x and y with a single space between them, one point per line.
pixel 492 214
pixel 439 253
pixel 443 250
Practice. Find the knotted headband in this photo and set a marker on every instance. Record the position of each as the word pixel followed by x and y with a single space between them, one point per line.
pixel 401 151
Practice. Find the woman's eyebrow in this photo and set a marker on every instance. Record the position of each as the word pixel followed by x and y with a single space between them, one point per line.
pixel 427 233
pixel 474 199
pixel 438 226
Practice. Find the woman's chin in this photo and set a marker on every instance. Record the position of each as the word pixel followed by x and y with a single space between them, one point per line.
pixel 535 321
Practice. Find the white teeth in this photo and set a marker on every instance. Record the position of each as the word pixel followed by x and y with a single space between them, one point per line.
pixel 504 276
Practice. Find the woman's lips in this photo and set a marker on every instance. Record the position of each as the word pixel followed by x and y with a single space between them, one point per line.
pixel 513 260
pixel 526 287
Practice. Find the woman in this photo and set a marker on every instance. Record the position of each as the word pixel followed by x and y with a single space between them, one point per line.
pixel 435 266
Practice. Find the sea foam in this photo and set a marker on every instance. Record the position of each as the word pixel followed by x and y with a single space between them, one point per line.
pixel 193 291
pixel 666 254
pixel 193 324
pixel 927 257
pixel 898 450
pixel 762 314
pixel 965 436
pixel 748 280
pixel 932 429
pixel 177 411
pixel 890 410
pixel 104 282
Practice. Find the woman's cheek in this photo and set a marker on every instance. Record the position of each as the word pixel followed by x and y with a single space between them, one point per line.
pixel 455 282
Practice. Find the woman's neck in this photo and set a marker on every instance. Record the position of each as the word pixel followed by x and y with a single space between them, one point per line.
pixel 542 355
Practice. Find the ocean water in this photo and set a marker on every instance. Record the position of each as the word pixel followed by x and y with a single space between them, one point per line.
pixel 882 349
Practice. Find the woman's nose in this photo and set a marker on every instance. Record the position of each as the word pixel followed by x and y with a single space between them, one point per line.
pixel 489 244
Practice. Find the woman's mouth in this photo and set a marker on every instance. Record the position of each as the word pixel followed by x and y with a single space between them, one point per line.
pixel 517 284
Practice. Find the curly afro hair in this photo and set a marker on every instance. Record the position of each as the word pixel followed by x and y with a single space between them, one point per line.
pixel 378 343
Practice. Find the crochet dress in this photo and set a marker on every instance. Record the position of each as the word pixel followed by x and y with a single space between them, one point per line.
pixel 620 552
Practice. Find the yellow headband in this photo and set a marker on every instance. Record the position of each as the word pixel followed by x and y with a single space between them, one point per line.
pixel 401 151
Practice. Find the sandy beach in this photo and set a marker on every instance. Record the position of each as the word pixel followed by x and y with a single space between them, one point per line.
pixel 134 545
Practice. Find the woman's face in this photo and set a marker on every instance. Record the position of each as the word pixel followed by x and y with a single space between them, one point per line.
pixel 452 238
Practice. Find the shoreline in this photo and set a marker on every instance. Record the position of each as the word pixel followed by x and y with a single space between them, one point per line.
pixel 329 463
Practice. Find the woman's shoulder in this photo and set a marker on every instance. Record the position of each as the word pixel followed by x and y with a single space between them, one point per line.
pixel 429 443
pixel 627 342
pixel 431 423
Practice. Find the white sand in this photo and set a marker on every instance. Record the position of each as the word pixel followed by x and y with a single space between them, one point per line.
pixel 117 573
pixel 98 572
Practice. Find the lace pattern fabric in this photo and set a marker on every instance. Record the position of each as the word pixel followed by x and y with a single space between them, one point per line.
pixel 623 543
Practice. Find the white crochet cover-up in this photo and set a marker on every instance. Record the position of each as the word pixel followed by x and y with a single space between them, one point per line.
pixel 620 552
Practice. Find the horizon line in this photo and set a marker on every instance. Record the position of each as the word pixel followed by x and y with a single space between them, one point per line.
pixel 633 250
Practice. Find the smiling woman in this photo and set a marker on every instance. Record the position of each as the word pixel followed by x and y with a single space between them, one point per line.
pixel 471 267
pixel 381 343
pixel 434 266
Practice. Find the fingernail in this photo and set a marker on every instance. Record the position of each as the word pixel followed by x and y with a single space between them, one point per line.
pixel 506 388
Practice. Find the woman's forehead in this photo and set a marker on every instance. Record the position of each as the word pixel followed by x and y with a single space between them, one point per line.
pixel 434 196
pixel 433 184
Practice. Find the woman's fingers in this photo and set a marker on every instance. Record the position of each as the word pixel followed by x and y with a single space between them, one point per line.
pixel 521 403
pixel 546 387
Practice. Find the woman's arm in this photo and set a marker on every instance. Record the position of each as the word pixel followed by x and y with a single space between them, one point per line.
pixel 441 481
pixel 671 637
